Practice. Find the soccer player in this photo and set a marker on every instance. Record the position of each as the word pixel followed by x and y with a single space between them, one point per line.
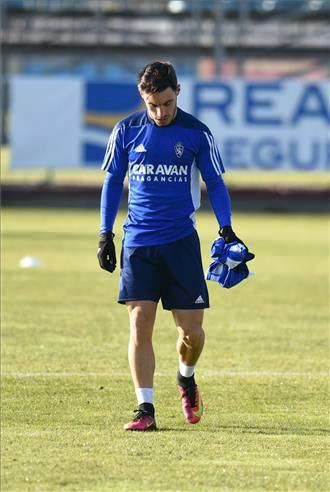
pixel 164 150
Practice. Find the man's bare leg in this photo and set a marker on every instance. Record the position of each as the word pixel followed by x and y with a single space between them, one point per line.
pixel 189 347
pixel 141 358
pixel 191 334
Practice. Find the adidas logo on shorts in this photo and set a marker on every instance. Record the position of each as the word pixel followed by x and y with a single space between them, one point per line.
pixel 199 300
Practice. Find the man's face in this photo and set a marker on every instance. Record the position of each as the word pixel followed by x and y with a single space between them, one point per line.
pixel 161 106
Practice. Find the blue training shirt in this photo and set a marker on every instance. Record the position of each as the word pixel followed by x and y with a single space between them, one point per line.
pixel 164 165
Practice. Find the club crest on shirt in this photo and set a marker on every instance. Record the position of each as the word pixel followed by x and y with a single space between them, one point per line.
pixel 179 149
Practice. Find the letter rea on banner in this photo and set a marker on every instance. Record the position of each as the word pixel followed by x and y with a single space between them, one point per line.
pixel 281 125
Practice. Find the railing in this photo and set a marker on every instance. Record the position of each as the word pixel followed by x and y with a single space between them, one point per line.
pixel 56 30
pixel 170 6
pixel 49 24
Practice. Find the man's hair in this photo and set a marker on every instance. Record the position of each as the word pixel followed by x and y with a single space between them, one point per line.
pixel 156 77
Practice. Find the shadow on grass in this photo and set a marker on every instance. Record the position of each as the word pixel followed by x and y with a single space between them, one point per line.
pixel 249 430
pixel 183 428
pixel 275 431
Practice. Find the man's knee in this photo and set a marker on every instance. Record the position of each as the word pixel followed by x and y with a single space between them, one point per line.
pixel 139 317
pixel 141 324
pixel 191 331
pixel 190 322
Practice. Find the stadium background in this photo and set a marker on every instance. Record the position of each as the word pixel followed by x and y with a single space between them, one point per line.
pixel 66 388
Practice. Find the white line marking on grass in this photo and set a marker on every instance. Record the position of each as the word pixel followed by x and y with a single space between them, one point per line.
pixel 205 374
pixel 270 374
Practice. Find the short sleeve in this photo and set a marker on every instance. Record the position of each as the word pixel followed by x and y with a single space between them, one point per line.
pixel 116 159
pixel 209 160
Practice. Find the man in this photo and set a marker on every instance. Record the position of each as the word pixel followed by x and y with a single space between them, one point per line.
pixel 164 150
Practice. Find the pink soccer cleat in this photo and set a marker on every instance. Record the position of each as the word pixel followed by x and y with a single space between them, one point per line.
pixel 142 422
pixel 192 404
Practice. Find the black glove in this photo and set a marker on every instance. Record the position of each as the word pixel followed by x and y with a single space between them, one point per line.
pixel 229 235
pixel 106 253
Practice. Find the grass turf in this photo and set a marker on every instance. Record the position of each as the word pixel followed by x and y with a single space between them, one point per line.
pixel 66 389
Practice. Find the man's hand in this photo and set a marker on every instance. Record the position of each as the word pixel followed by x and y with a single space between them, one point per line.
pixel 229 235
pixel 106 253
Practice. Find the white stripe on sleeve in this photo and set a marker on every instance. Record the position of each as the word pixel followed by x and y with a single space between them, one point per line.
pixel 110 150
pixel 214 153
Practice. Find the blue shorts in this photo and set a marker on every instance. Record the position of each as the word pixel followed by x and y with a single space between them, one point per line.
pixel 171 272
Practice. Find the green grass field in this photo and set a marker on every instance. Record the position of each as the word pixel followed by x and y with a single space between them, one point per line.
pixel 66 388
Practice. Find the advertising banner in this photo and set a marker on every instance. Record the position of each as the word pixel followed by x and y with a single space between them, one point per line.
pixel 274 125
